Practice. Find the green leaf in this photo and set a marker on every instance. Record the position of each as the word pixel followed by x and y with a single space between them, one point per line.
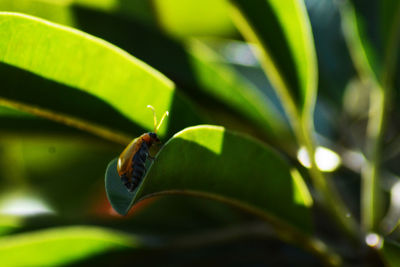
pixel 59 12
pixel 193 18
pixel 283 33
pixel 70 65
pixel 60 246
pixel 222 82
pixel 390 253
pixel 196 70
pixel 50 167
pixel 373 37
pixel 9 224
pixel 215 87
pixel 207 161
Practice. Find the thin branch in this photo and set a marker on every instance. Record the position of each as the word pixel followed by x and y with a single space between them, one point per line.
pixel 83 125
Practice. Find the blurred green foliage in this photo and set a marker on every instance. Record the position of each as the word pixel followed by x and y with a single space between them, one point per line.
pixel 77 76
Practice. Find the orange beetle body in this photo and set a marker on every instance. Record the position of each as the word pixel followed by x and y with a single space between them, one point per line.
pixel 131 163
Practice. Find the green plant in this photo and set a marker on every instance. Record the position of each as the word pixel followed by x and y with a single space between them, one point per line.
pixel 208 184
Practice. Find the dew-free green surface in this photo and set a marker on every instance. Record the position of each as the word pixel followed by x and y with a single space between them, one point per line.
pixel 184 18
pixel 60 246
pixel 9 224
pixel 283 31
pixel 373 37
pixel 91 65
pixel 231 88
pixel 52 167
pixel 211 162
pixel 391 253
pixel 194 66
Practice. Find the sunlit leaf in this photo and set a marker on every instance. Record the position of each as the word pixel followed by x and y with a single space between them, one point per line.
pixel 63 60
pixel 60 246
pixel 194 18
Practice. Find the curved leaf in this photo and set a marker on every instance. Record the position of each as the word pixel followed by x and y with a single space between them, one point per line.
pixel 207 161
pixel 67 59
pixel 9 224
pixel 391 253
pixel 61 246
pixel 231 88
pixel 283 32
pixel 196 70
pixel 373 37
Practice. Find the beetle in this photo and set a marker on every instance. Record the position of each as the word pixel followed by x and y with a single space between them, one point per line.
pixel 131 163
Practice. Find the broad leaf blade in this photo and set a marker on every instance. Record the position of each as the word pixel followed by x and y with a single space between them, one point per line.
pixel 60 246
pixel 208 161
pixel 194 69
pixel 80 61
pixel 283 32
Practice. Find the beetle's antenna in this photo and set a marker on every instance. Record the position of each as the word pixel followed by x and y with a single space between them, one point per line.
pixel 162 119
pixel 154 117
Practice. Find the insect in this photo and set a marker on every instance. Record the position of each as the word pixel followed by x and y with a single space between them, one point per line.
pixel 131 163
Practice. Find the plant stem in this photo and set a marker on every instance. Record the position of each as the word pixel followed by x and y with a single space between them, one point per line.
pixel 93 128
pixel 371 195
pixel 371 198
pixel 372 207
pixel 331 198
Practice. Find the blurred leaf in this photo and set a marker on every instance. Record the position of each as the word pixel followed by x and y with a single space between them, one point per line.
pixel 283 32
pixel 175 17
pixel 57 11
pixel 9 224
pixel 184 18
pixel 172 215
pixel 335 67
pixel 52 167
pixel 207 161
pixel 372 32
pixel 71 58
pixel 60 246
pixel 222 82
pixel 391 253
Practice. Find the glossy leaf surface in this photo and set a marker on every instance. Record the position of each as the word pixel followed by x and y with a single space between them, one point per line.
pixel 59 246
pixel 64 59
pixel 207 161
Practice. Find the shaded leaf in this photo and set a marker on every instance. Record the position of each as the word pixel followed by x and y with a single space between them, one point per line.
pixel 51 167
pixel 9 224
pixel 372 32
pixel 391 253
pixel 283 33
